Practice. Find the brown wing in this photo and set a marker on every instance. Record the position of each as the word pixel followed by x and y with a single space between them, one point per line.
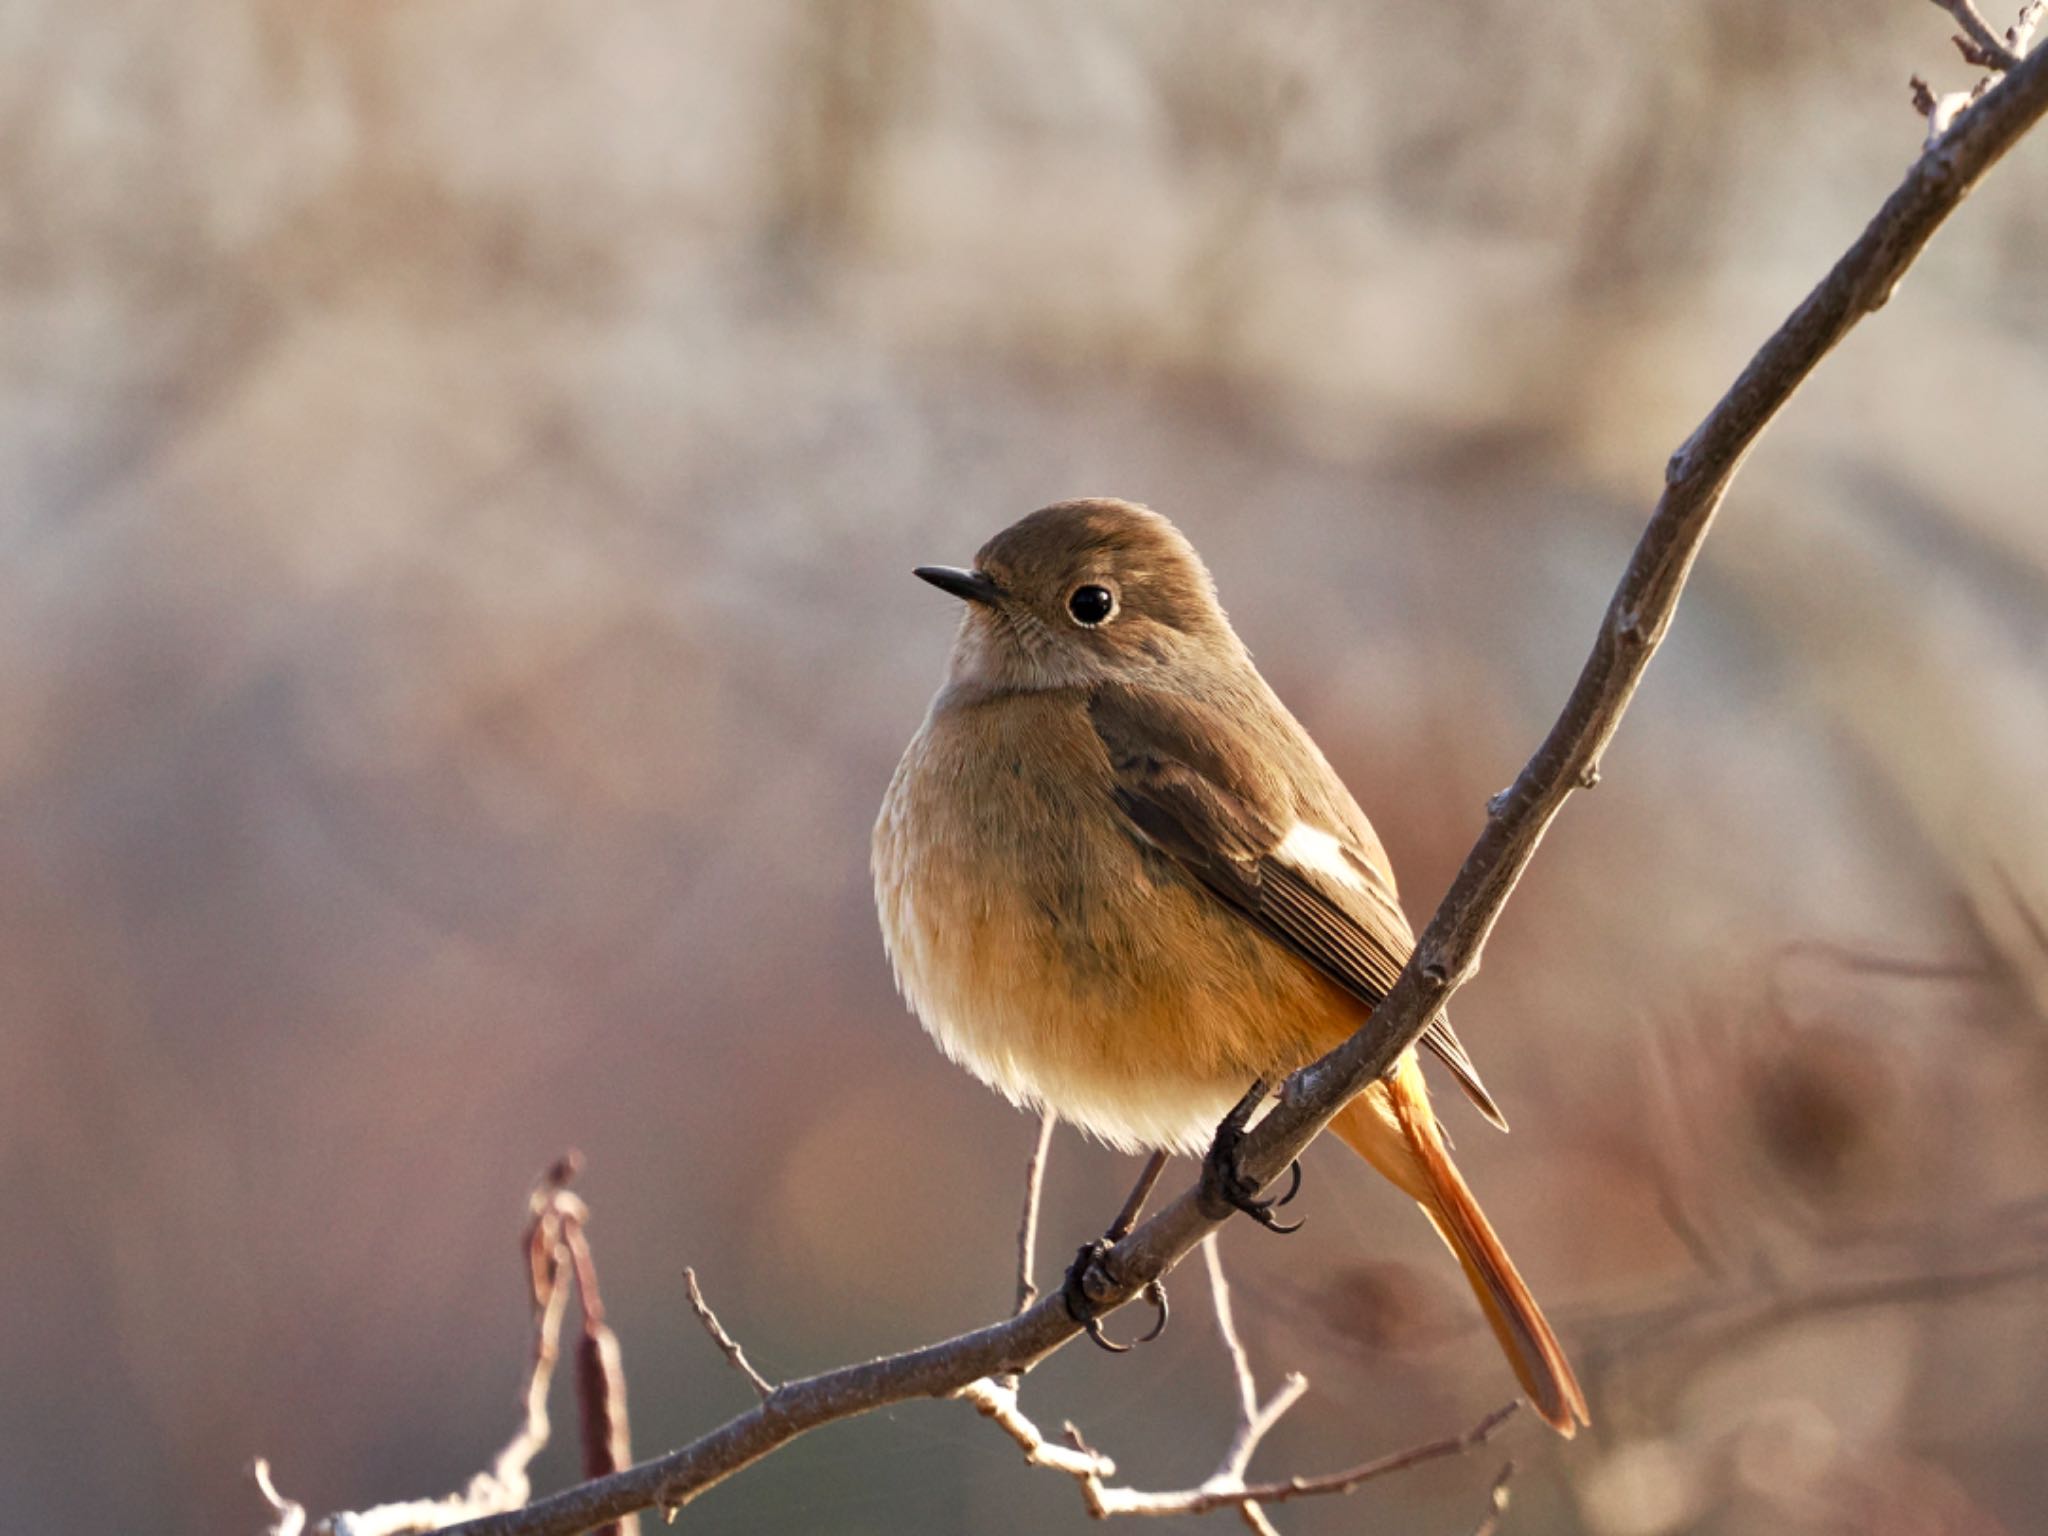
pixel 1222 807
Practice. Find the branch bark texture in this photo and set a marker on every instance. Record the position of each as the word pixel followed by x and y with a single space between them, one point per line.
pixel 1448 953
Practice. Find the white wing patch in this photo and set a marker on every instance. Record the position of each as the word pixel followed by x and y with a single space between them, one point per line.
pixel 1313 849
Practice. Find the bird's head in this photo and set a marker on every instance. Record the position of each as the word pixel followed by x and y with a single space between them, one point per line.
pixel 1082 593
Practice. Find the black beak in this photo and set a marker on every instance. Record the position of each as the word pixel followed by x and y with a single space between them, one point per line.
pixel 971 585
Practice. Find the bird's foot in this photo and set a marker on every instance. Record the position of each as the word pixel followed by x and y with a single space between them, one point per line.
pixel 1088 1279
pixel 1226 1188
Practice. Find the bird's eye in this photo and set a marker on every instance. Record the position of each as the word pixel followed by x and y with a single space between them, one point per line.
pixel 1091 605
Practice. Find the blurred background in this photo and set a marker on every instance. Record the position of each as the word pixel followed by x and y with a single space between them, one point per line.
pixel 459 470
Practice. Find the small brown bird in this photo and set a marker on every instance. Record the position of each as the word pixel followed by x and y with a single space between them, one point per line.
pixel 1117 880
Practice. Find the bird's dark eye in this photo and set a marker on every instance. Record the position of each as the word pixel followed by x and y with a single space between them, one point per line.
pixel 1091 605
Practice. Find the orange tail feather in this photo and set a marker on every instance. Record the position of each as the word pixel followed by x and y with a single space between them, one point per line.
pixel 1391 1127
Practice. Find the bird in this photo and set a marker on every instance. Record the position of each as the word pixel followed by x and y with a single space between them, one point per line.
pixel 1117 881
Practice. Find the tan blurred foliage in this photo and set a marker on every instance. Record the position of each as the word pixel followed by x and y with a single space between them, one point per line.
pixel 458 470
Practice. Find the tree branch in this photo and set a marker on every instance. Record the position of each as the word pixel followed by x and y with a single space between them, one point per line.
pixel 1448 953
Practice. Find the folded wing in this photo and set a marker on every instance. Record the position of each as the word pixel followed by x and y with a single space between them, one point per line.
pixel 1244 818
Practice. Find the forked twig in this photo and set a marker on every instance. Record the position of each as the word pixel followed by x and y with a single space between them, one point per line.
pixel 1104 1502
pixel 1254 1419
pixel 1090 1467
pixel 1225 1488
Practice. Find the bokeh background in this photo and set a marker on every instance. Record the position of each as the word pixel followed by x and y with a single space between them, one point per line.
pixel 459 468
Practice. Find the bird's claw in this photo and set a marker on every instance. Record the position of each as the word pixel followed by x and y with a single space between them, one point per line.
pixel 1293 1185
pixel 1085 1310
pixel 1225 1188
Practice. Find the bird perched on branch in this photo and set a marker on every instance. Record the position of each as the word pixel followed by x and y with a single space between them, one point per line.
pixel 1117 880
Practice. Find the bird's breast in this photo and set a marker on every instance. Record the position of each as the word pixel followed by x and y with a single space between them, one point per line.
pixel 1055 954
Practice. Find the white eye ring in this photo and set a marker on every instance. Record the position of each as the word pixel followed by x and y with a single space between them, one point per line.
pixel 1092 604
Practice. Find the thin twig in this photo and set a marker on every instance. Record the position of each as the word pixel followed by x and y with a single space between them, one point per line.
pixel 998 1402
pixel 1254 1419
pixel 1255 1518
pixel 1027 1228
pixel 1447 955
pixel 1134 1203
pixel 727 1344
pixel 1981 45
pixel 291 1515
pixel 1497 1500
pixel 1226 1329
